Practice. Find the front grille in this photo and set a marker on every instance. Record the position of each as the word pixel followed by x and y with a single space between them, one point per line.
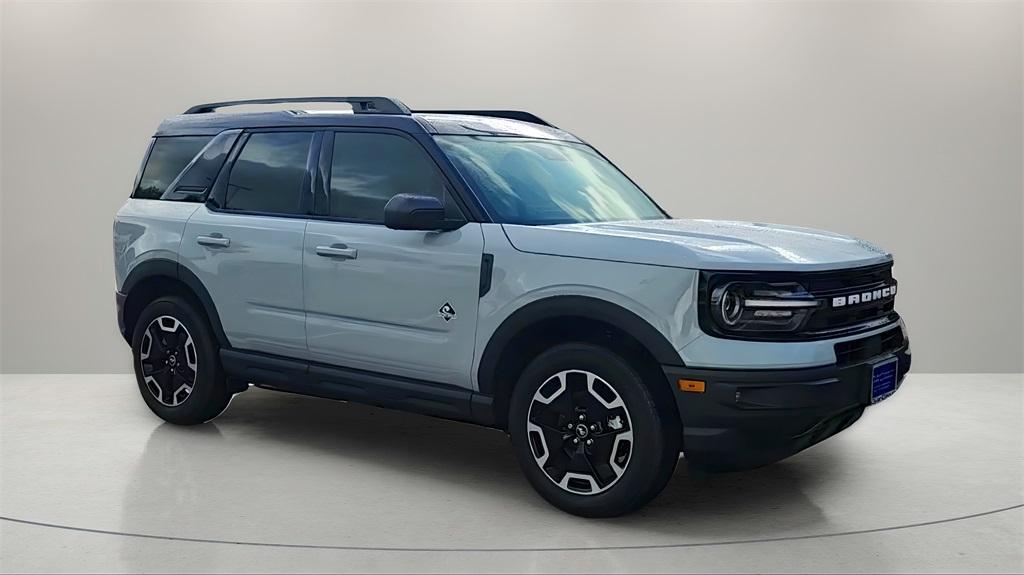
pixel 825 286
pixel 859 350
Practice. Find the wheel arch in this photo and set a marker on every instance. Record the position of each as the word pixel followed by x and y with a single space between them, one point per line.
pixel 157 277
pixel 564 318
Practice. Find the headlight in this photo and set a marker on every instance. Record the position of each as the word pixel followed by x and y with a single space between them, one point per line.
pixel 750 307
pixel 730 306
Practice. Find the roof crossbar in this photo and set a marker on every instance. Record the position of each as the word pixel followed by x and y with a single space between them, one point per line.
pixel 507 114
pixel 360 105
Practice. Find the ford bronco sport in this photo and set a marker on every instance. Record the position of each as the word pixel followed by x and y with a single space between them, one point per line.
pixel 484 266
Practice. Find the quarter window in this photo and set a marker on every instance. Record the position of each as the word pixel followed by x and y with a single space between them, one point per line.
pixel 270 173
pixel 167 159
pixel 368 169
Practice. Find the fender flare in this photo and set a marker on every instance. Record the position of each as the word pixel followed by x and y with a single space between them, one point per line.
pixel 579 306
pixel 171 269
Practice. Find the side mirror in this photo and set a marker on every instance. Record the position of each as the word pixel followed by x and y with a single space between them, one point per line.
pixel 412 212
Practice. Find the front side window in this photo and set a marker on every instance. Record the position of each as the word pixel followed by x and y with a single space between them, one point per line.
pixel 167 159
pixel 536 181
pixel 270 173
pixel 368 169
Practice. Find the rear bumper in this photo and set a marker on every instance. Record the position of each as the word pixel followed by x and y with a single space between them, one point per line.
pixel 750 418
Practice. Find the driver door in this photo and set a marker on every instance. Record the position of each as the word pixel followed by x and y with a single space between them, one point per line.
pixel 398 302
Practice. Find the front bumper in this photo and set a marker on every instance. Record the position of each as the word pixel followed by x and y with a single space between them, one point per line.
pixel 750 418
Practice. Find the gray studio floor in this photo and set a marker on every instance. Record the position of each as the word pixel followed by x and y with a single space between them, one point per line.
pixel 930 480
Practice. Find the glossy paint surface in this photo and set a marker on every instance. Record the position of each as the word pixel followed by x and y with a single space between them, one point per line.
pixel 663 297
pixel 381 310
pixel 701 244
pixel 146 230
pixel 255 281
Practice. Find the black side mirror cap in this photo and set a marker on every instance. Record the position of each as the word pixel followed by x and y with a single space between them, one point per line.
pixel 414 212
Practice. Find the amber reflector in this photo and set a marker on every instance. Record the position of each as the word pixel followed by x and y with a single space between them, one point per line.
pixel 692 385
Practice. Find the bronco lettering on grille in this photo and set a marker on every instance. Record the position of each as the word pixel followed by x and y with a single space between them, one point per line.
pixel 864 297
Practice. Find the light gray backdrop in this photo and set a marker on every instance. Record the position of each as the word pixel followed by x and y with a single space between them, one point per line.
pixel 897 122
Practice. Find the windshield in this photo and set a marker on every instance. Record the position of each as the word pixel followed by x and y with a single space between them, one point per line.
pixel 534 181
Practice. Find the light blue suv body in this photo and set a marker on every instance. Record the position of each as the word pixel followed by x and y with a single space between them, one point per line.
pixel 528 238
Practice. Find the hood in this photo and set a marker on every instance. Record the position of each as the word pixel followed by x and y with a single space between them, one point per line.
pixel 700 244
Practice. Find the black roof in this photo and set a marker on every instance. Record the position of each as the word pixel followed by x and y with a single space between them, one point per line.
pixel 377 112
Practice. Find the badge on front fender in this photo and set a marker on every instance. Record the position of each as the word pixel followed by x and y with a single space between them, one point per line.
pixel 447 312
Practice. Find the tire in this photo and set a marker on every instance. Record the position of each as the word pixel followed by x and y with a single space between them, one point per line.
pixel 634 444
pixel 177 363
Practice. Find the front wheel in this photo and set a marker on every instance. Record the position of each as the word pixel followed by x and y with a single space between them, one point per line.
pixel 176 362
pixel 588 433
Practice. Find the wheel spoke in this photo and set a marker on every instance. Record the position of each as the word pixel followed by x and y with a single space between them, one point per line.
pixel 174 340
pixel 599 458
pixel 593 470
pixel 609 433
pixel 153 369
pixel 160 343
pixel 559 461
pixel 561 432
pixel 186 374
pixel 165 379
pixel 576 384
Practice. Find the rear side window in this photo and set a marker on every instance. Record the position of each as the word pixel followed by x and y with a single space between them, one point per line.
pixel 270 173
pixel 167 158
pixel 196 180
pixel 368 169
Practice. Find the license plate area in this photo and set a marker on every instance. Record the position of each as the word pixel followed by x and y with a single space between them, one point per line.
pixel 883 378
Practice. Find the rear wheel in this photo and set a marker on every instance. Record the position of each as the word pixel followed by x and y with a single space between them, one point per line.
pixel 176 362
pixel 588 433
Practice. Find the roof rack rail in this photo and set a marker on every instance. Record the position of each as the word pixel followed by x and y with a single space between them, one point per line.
pixel 364 105
pixel 507 114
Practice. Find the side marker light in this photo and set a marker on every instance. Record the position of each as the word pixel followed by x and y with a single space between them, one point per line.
pixel 691 385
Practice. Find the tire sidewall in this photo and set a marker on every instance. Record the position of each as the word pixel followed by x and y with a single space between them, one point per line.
pixel 208 391
pixel 642 478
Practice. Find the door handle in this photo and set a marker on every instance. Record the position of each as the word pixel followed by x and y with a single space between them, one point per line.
pixel 213 241
pixel 340 251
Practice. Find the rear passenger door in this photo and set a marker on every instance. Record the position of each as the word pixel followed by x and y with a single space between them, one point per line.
pixel 246 243
pixel 397 302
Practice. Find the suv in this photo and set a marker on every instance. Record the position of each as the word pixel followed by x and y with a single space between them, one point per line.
pixel 484 266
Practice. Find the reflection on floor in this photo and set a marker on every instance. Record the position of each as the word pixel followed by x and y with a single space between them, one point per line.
pixel 315 485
